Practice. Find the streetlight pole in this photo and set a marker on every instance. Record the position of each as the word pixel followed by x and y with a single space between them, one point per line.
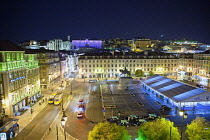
pixel 184 116
pixel 57 132
pixel 71 87
pixel 63 121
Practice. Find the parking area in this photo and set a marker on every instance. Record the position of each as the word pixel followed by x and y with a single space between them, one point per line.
pixel 131 102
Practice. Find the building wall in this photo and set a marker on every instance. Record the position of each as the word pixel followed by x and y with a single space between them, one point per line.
pixel 49 69
pixel 105 67
pixel 142 43
pixel 189 67
pixel 14 70
pixel 59 44
pixel 76 44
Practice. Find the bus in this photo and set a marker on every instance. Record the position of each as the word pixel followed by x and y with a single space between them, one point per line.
pixel 51 98
pixel 58 99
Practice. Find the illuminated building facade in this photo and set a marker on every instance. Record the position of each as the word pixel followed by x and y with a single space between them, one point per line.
pixel 201 69
pixel 32 44
pixel 19 78
pixel 69 64
pixel 49 68
pixel 59 44
pixel 189 67
pixel 108 65
pixel 141 43
pixel 77 44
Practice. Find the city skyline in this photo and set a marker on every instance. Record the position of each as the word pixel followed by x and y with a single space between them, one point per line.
pixel 44 20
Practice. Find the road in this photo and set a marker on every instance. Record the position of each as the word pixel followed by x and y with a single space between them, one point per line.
pixel 79 128
pixel 41 123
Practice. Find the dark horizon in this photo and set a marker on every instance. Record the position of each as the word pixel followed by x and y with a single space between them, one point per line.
pixel 50 19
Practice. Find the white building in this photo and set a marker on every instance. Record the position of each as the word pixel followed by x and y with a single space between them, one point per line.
pixel 69 64
pixel 59 44
pixel 108 65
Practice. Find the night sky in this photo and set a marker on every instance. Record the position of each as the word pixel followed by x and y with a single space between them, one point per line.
pixel 49 19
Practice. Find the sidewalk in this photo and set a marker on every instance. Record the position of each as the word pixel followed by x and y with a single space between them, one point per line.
pixel 27 117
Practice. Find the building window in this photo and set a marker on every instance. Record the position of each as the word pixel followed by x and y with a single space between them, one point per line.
pixel 10 75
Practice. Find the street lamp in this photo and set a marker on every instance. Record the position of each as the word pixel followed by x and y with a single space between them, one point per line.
pixel 71 87
pixel 63 122
pixel 64 116
pixel 119 113
pixel 184 116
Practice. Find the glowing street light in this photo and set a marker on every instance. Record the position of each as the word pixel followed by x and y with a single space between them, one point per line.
pixel 184 116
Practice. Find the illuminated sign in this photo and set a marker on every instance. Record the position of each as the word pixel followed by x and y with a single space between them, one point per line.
pixel 17 79
pixel 3 136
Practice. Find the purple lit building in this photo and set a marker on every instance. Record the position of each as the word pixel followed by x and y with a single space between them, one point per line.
pixel 77 44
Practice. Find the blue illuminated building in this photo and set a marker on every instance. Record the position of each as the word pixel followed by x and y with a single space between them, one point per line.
pixel 77 44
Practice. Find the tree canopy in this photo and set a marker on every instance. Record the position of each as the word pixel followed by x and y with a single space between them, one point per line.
pixel 150 73
pixel 159 129
pixel 108 131
pixel 198 129
pixel 139 73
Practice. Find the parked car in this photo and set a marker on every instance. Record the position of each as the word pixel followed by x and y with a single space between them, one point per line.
pixel 92 81
pixel 200 86
pixel 134 123
pixel 152 117
pixel 132 117
pixel 113 119
pixel 142 121
pixel 123 123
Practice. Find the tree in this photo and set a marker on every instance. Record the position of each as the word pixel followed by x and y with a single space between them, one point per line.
pixel 198 129
pixel 159 129
pixel 108 131
pixel 139 73
pixel 150 73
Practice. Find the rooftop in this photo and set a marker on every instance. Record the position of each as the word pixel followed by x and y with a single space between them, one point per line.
pixel 175 90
